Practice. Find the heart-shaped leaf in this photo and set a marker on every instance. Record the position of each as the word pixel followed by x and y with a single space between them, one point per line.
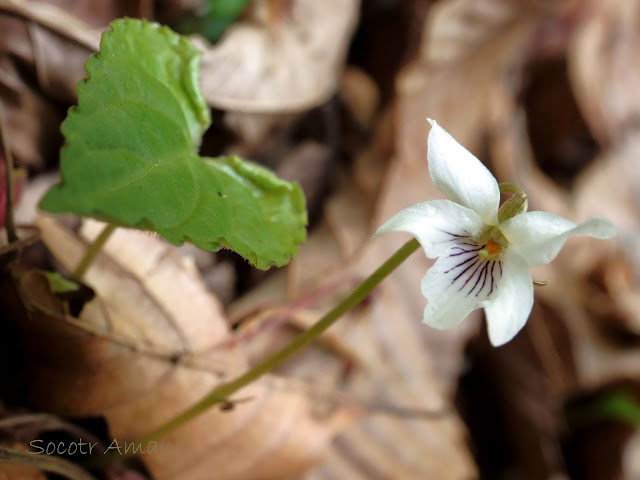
pixel 131 155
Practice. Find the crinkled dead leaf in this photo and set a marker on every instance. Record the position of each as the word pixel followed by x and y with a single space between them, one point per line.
pixel 605 67
pixel 631 457
pixel 20 462
pixel 308 164
pixel 43 47
pixel 361 95
pixel 140 354
pixel 284 58
pixel 10 471
pixel 468 49
pixel 50 44
pixel 280 61
pixel 18 180
pixel 470 55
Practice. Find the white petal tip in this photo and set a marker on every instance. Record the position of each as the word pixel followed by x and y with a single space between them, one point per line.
pixel 607 230
pixel 499 342
pixel 504 334
pixel 432 122
pixel 597 227
pixel 379 233
pixel 391 225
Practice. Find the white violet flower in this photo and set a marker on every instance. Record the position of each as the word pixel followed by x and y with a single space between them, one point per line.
pixel 484 251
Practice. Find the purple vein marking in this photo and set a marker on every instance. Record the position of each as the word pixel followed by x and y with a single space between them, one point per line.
pixel 471 276
pixel 462 273
pixel 463 251
pixel 454 235
pixel 493 264
pixel 472 257
pixel 485 270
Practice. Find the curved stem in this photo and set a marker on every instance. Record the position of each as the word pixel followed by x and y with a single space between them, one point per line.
pixel 221 393
pixel 93 251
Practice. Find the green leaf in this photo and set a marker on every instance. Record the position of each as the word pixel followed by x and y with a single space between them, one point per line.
pixel 131 155
pixel 59 284
pixel 217 16
pixel 620 406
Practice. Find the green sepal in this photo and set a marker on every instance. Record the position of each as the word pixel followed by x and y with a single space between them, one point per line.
pixel 516 205
pixel 512 207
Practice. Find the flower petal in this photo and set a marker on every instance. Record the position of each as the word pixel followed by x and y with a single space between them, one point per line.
pixel 461 176
pixel 459 282
pixel 508 310
pixel 436 224
pixel 541 235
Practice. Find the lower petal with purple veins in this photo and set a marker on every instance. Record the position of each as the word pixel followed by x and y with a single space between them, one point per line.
pixel 460 281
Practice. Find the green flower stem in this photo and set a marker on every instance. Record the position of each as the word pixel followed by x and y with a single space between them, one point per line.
pixel 92 251
pixel 222 392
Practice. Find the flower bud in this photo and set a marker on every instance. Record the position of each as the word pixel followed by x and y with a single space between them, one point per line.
pixel 512 207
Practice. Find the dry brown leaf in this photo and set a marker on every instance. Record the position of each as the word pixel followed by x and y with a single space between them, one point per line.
pixel 468 49
pixel 10 471
pixel 614 170
pixel 349 218
pixel 631 458
pixel 286 64
pixel 308 164
pixel 73 22
pixel 283 59
pixel 594 194
pixel 43 48
pixel 256 130
pixel 20 462
pixel 123 359
pixel 605 69
pixel 361 95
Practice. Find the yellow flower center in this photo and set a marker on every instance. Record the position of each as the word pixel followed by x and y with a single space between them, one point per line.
pixel 492 247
